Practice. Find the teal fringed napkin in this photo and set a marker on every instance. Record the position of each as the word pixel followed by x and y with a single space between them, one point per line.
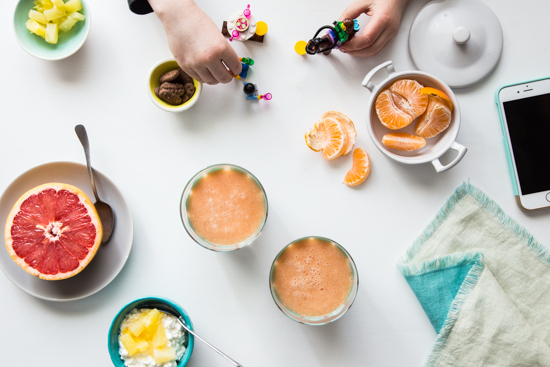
pixel 484 283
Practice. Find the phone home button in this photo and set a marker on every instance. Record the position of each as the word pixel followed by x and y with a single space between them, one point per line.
pixel 548 196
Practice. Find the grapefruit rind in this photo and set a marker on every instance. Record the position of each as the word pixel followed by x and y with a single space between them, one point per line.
pixel 360 169
pixel 84 200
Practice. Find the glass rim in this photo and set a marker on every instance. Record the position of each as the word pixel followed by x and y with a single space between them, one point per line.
pixel 315 320
pixel 187 224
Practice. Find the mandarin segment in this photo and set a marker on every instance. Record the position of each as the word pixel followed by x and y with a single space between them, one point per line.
pixel 403 141
pixel 435 119
pixel 360 169
pixel 398 105
pixel 329 136
pixel 347 124
pixel 436 92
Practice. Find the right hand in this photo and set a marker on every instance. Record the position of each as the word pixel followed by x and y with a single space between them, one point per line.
pixel 196 43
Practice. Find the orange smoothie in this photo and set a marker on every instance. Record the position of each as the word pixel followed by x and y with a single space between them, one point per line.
pixel 226 207
pixel 312 277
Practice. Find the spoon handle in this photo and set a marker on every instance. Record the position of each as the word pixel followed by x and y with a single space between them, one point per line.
pixel 83 137
pixel 235 363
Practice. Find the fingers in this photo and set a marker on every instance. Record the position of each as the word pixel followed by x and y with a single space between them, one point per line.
pixel 205 76
pixel 376 47
pixel 356 8
pixel 231 60
pixel 374 29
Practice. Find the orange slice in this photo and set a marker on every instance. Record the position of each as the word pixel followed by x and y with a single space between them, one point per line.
pixel 437 92
pixel 348 125
pixel 53 231
pixel 403 141
pixel 401 103
pixel 360 169
pixel 436 118
pixel 329 136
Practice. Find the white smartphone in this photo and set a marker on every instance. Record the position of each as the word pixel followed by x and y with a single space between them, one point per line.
pixel 524 111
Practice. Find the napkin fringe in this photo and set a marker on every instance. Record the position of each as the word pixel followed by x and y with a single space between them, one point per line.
pixel 444 262
pixel 466 288
pixel 492 207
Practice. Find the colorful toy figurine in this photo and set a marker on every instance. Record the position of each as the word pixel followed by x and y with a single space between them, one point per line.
pixel 242 26
pixel 251 91
pixel 246 64
pixel 335 35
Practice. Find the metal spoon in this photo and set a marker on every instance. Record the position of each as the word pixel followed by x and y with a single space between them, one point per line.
pixel 182 322
pixel 104 210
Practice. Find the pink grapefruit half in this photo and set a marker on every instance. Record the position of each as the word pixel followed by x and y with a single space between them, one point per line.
pixel 53 231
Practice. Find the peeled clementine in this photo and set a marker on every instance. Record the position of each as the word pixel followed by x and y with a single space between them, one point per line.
pixel 401 103
pixel 347 124
pixel 436 118
pixel 403 141
pixel 329 136
pixel 360 169
pixel 53 231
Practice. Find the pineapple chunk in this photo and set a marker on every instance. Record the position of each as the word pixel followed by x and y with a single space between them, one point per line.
pixel 52 32
pixel 159 340
pixel 54 13
pixel 45 4
pixel 59 4
pixel 137 326
pixel 73 5
pixel 152 320
pixel 129 344
pixel 67 24
pixel 39 17
pixel 142 345
pixel 164 355
pixel 76 15
pixel 34 27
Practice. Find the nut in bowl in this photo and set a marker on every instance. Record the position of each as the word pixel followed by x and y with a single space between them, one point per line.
pixel 172 95
pixel 434 147
pixel 73 24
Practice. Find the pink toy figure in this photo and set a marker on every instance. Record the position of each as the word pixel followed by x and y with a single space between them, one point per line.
pixel 246 12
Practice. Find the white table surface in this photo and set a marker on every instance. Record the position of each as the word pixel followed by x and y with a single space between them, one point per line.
pixel 150 154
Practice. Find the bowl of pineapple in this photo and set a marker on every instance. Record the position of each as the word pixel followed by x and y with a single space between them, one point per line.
pixel 51 29
pixel 156 303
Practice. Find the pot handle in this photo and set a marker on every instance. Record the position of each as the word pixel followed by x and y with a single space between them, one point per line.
pixel 461 149
pixel 389 67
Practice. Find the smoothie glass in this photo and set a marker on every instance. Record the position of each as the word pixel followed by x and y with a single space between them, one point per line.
pixel 324 319
pixel 185 214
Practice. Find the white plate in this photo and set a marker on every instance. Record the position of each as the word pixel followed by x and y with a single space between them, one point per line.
pixel 110 257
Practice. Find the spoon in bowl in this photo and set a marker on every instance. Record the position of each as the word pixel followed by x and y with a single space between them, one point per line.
pixel 182 323
pixel 104 210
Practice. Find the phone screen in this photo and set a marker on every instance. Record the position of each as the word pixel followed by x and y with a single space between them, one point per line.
pixel 529 127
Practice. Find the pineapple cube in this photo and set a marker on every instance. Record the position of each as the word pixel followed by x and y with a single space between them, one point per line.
pixel 59 4
pixel 151 350
pixel 46 4
pixel 152 320
pixel 34 27
pixel 159 340
pixel 39 17
pixel 54 13
pixel 137 327
pixel 73 5
pixel 52 32
pixel 164 355
pixel 142 345
pixel 76 15
pixel 129 344
pixel 67 24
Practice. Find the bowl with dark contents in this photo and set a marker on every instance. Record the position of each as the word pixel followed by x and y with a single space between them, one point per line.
pixel 170 88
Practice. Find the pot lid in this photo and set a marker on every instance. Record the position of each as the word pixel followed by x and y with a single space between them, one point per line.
pixel 459 41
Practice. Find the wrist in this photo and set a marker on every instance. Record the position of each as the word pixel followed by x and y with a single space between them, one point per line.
pixel 165 9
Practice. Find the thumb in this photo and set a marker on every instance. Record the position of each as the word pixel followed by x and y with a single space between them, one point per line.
pixel 356 8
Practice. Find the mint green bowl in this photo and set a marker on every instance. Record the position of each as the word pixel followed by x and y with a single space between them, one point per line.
pixel 67 44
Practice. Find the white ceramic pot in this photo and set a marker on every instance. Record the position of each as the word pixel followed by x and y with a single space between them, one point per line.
pixel 435 147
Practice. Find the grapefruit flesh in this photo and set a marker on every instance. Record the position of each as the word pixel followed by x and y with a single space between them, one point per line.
pixel 401 103
pixel 53 231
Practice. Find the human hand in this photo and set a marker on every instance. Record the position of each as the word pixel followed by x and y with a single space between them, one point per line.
pixel 196 43
pixel 382 27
